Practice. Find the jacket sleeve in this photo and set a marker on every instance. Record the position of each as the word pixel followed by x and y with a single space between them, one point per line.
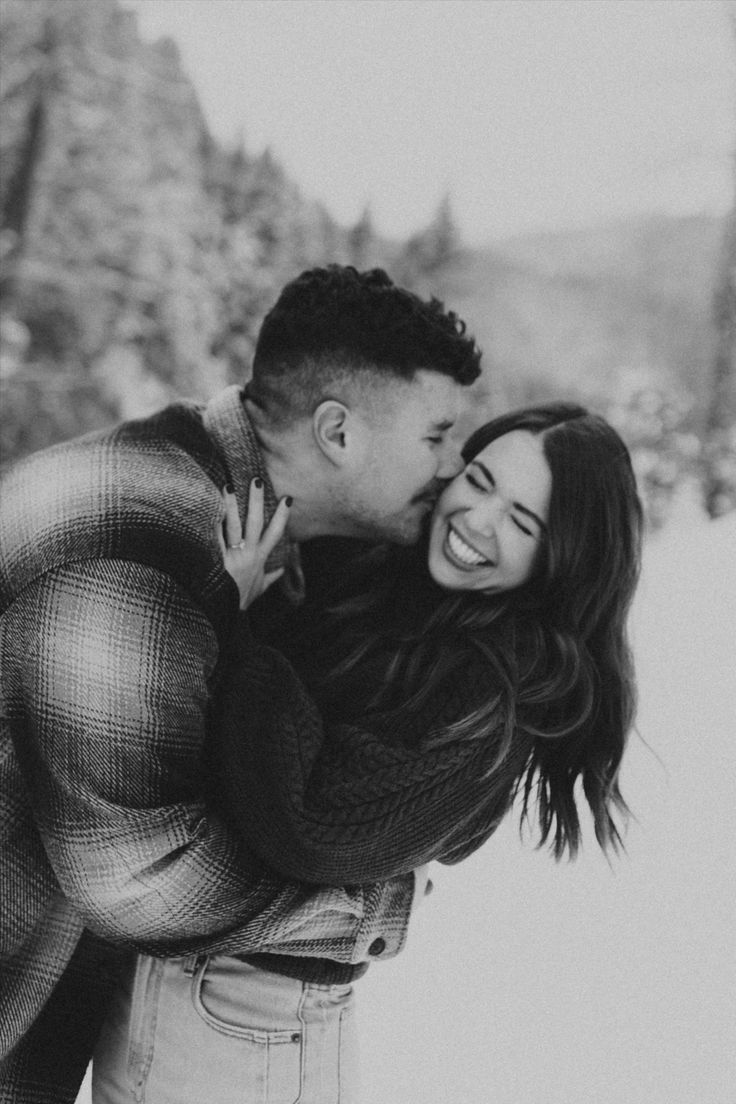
pixel 108 666
pixel 326 802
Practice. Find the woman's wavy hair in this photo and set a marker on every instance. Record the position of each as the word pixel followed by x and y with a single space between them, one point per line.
pixel 556 648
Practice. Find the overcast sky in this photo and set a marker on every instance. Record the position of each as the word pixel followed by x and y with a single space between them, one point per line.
pixel 530 113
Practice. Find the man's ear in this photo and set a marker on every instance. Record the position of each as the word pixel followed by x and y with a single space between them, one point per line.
pixel 332 430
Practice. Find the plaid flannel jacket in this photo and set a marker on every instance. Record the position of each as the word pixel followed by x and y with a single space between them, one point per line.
pixel 115 608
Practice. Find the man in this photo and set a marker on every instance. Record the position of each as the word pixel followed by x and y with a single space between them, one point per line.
pixel 116 611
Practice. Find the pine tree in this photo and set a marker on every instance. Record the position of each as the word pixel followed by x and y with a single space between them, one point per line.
pixel 432 251
pixel 720 429
pixel 362 241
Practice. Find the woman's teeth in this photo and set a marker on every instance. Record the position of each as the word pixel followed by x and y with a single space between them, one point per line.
pixel 463 551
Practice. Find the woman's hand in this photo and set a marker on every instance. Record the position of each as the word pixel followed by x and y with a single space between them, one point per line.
pixel 245 553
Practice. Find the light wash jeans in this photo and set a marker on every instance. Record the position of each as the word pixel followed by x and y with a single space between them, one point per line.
pixel 214 1030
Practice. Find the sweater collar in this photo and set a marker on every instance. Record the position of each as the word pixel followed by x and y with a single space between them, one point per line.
pixel 228 424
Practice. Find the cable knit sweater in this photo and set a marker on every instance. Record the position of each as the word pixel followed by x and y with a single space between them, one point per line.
pixel 355 794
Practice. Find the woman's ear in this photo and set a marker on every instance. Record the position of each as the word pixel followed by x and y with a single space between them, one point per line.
pixel 332 430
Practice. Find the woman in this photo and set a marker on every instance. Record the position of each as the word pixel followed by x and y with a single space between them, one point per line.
pixel 503 668
pixel 488 662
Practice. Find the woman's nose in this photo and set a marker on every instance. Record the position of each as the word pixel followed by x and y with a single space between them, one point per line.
pixel 484 516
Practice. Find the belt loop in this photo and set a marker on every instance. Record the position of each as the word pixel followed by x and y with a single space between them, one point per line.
pixel 191 964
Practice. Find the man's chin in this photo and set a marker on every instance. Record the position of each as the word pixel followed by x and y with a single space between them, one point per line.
pixel 411 530
pixel 402 529
pixel 405 539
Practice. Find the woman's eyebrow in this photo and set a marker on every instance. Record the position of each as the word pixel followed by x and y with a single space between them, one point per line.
pixel 517 505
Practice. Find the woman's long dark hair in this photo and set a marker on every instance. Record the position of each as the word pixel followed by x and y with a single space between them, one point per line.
pixel 555 649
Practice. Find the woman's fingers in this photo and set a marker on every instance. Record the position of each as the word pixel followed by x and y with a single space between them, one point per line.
pixel 254 518
pixel 276 527
pixel 232 527
pixel 245 553
pixel 254 534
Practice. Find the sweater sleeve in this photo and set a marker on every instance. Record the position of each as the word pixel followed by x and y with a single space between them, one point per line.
pixel 341 803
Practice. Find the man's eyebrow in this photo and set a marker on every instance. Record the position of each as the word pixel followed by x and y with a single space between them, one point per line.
pixel 445 424
pixel 517 505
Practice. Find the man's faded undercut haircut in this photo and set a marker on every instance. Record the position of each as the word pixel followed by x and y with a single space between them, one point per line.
pixel 335 325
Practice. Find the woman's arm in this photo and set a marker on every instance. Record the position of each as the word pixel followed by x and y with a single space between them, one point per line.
pixel 361 797
pixel 342 803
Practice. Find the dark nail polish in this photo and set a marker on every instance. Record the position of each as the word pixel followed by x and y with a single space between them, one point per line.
pixel 229 488
pixel 258 483
pixel 288 500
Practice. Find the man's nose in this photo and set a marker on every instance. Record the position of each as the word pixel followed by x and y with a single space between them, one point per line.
pixel 451 462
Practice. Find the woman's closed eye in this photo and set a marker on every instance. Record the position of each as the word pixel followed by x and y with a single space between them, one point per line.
pixel 479 483
pixel 524 528
pixel 483 481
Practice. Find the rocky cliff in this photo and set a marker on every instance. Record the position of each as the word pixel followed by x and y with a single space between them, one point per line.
pixel 139 256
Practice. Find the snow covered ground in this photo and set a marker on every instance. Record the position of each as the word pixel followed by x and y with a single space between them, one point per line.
pixel 529 982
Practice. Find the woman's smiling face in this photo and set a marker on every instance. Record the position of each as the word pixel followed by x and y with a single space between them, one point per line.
pixel 490 522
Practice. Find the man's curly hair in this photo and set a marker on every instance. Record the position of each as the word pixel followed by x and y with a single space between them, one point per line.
pixel 335 324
